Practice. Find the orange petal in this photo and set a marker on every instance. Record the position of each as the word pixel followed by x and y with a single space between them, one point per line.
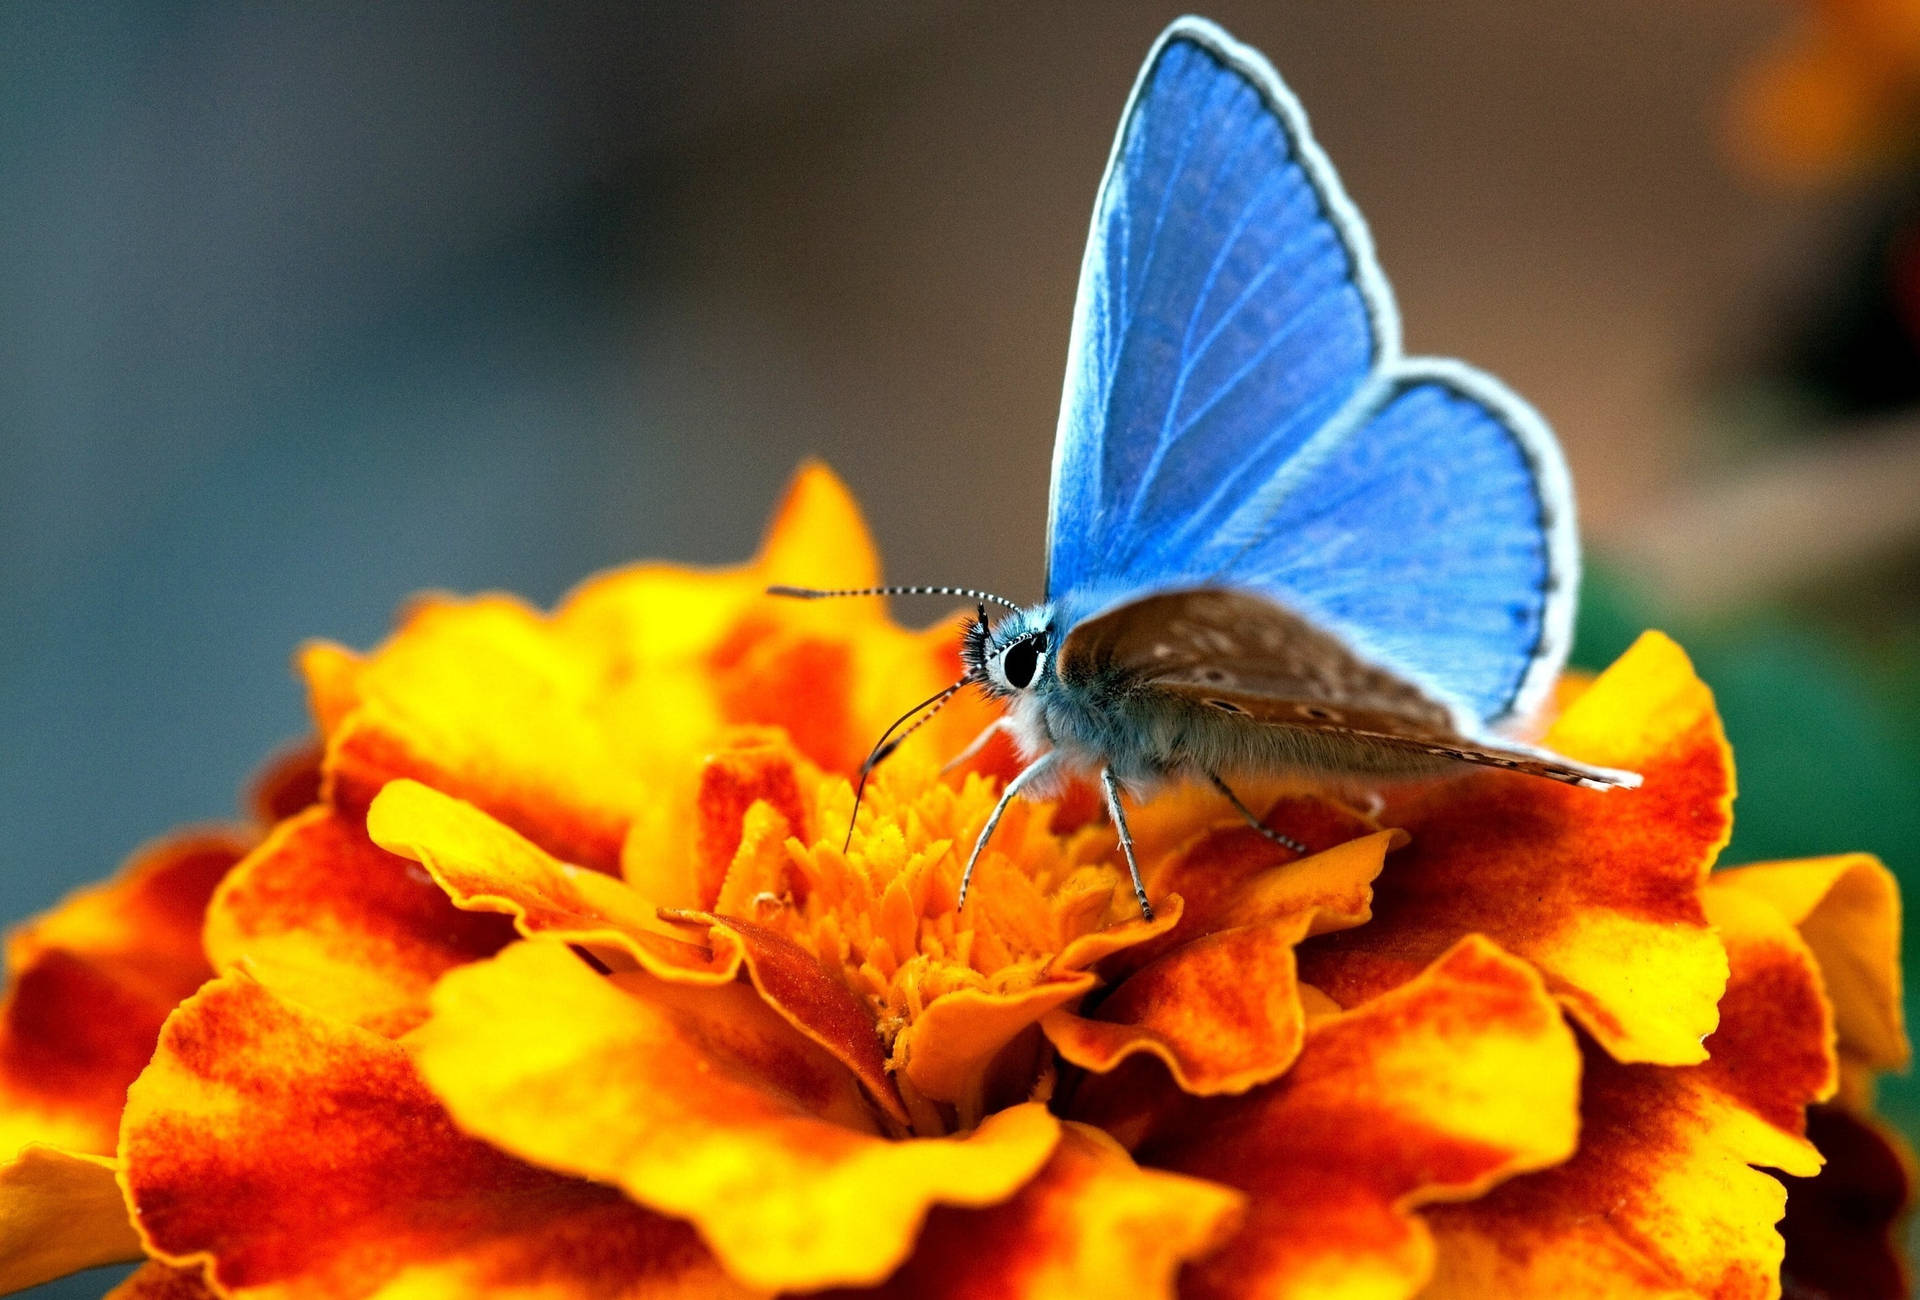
pixel 485 866
pixel 817 538
pixel 1091 1224
pixel 1223 1010
pixel 702 1102
pixel 287 784
pixel 1842 1227
pixel 949 1050
pixel 1662 1198
pixel 1598 889
pixel 60 1212
pixel 1458 1079
pixel 478 698
pixel 792 981
pixel 576 729
pixel 320 915
pixel 1774 1050
pixel 92 981
pixel 295 1157
pixel 1847 908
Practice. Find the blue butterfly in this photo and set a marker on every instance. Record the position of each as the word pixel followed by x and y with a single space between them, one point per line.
pixel 1274 542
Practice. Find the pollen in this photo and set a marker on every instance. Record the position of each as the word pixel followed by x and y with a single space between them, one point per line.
pixel 882 912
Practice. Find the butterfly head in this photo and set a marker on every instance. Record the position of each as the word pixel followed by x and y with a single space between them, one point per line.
pixel 1013 657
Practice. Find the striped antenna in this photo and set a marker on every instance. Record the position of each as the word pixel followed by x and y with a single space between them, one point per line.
pixel 888 742
pixel 814 593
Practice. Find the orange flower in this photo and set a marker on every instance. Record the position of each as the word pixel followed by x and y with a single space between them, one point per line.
pixel 1839 93
pixel 552 979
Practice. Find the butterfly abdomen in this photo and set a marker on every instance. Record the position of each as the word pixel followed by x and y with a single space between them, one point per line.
pixel 1149 739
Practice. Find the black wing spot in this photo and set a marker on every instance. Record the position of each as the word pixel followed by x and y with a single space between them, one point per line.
pixel 1317 713
pixel 1227 706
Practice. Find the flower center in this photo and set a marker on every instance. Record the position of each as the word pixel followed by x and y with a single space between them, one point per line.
pixel 882 913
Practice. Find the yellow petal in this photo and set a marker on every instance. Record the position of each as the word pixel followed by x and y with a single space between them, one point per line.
pixel 1223 1010
pixel 1663 1197
pixel 300 1158
pixel 1091 1224
pixel 582 730
pixel 485 866
pixel 1598 889
pixel 705 1104
pixel 1462 1077
pixel 1847 908
pixel 91 982
pixel 60 1211
pixel 320 915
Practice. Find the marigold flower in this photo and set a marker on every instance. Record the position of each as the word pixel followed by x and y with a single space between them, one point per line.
pixel 547 974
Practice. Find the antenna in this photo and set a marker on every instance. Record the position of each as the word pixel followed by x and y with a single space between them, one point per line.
pixel 883 748
pixel 815 593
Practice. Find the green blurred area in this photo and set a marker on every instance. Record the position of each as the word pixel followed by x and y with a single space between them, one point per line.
pixel 1824 720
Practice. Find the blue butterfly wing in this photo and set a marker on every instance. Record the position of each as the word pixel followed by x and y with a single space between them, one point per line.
pixel 1229 306
pixel 1237 412
pixel 1435 535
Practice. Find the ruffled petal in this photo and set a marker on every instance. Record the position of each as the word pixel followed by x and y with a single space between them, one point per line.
pixel 1598 889
pixel 485 866
pixel 92 981
pixel 482 864
pixel 575 730
pixel 60 1212
pixel 1663 1198
pixel 703 1102
pixel 1093 1223
pixel 320 915
pixel 792 981
pixel 1847 908
pixel 1462 1077
pixel 949 1050
pixel 1223 1010
pixel 294 1156
pixel 288 783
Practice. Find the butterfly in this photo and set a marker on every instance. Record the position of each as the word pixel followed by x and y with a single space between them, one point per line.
pixel 1274 543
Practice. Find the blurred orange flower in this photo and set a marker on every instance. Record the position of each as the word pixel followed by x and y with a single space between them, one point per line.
pixel 547 975
pixel 1838 93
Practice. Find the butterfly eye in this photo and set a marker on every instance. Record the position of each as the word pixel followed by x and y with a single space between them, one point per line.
pixel 1022 660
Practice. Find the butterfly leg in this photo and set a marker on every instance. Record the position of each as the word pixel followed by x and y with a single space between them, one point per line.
pixel 977 744
pixel 1284 841
pixel 1038 767
pixel 1111 788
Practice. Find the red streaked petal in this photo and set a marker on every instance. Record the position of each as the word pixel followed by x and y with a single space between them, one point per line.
pixel 321 915
pixel 703 1102
pixel 1458 1079
pixel 92 981
pixel 1598 889
pixel 297 1157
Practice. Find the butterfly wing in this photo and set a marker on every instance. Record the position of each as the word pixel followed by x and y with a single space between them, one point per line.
pixel 1244 682
pixel 1435 535
pixel 1230 305
pixel 1237 411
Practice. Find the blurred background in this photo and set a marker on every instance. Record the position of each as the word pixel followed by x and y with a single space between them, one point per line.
pixel 304 307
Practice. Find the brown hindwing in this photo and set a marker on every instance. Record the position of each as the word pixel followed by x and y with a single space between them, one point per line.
pixel 1240 656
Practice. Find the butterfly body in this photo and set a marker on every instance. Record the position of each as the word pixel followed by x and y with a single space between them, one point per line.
pixel 1218 683
pixel 1275 544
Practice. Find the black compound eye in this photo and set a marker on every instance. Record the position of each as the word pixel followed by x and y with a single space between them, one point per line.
pixel 1021 662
